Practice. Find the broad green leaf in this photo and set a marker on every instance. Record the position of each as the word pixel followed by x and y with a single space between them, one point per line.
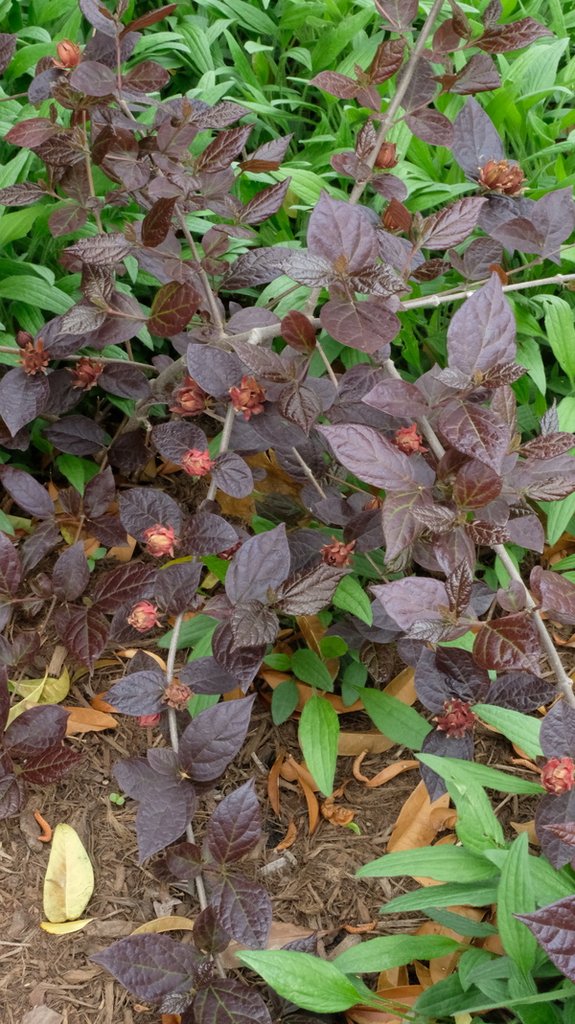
pixel 451 894
pixel 351 597
pixel 393 951
pixel 318 735
pixel 17 225
pixel 279 662
pixel 529 356
pixel 560 332
pixel 192 630
pixel 559 515
pixel 285 699
pixel 549 884
pixel 477 826
pixel 454 769
pixel 517 727
pixel 35 292
pixel 78 472
pixel 462 925
pixel 398 721
pixel 309 667
pixel 305 980
pixel 442 863
pixel 516 896
pixel 69 880
pixel 200 701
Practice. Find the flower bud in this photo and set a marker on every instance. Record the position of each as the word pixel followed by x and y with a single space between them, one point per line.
pixel 24 340
pixel 387 156
pixel 558 775
pixel 33 358
pixel 248 398
pixel 176 695
pixel 69 54
pixel 159 540
pixel 503 177
pixel 337 553
pixel 409 440
pixel 196 463
pixel 86 373
pixel 144 616
pixel 457 720
pixel 189 398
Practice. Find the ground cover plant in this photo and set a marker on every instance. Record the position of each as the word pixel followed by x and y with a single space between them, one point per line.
pixel 287 395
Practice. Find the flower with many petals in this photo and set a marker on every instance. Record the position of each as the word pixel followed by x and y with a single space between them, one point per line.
pixel 196 463
pixel 248 398
pixel 189 398
pixel 159 540
pixel 337 553
pixel 144 616
pixel 503 177
pixel 69 55
pixel 86 373
pixel 409 440
pixel 558 775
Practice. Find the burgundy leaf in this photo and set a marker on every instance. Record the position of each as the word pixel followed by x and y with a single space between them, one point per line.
pixel 475 139
pixel 150 18
pixel 22 398
pixel 557 735
pixel 261 565
pixel 479 75
pixel 214 370
pixel 452 224
pixel 476 485
pixel 184 861
pixel 240 662
pixel 397 398
pixel 432 127
pixel 442 745
pixel 300 405
pixel 368 325
pixel 555 594
pixel 412 598
pixel 93 79
pixel 12 794
pixel 481 334
pixel 477 432
pixel 336 84
pixel 253 623
pixel 143 507
pixel 520 691
pixel 448 673
pixel 208 534
pixel 204 675
pixel 458 586
pixel 157 222
pixel 44 539
pixel 7 49
pixel 233 476
pixel 375 460
pixel 70 575
pixel 122 585
pixel 125 381
pixel 167 803
pixel 31 133
pixel 228 1001
pixel 554 928
pixel 388 59
pixel 174 439
pixel 548 445
pixel 101 250
pixel 399 14
pixel 151 966
pixel 139 693
pixel 214 738
pixel 176 587
pixel 267 157
pixel 24 194
pixel 172 309
pixel 224 148
pixel 403 519
pixel 98 16
pixel 244 909
pixel 84 631
pixel 77 435
pixel 50 765
pixel 308 592
pixel 508 643
pixel 502 38
pixel 555 811
pixel 36 730
pixel 342 234
pixel 235 826
pixel 265 203
pixel 10 567
pixel 297 331
pixel 149 76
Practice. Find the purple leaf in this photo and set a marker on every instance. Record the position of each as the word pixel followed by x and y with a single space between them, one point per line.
pixel 300 405
pixel 555 594
pixel 412 598
pixel 214 370
pixel 98 16
pixel 265 203
pixel 214 738
pixel 475 139
pixel 336 84
pixel 233 476
pixel 399 14
pixel 374 459
pixel 452 224
pixel 555 811
pixel 226 147
pixel 431 126
pixel 204 675
pixel 508 643
pixel 184 861
pixel 71 574
pixel 167 803
pixel 50 765
pixel 477 432
pixel 36 730
pixel 261 564
pixel 208 534
pixel 447 673
pixel 99 494
pixel 368 326
pixel 44 539
pixel 176 587
pixel 93 79
pixel 235 826
pixel 404 519
pixel 476 485
pixel 24 194
pixel 77 435
pixel 143 507
pixel 10 567
pixel 397 398
pixel 520 691
pixel 344 235
pixel 481 334
pixel 151 966
pixel 172 309
pixel 441 744
pixel 388 59
pixel 228 1001
pixel 554 928
pixel 101 250
pixel 478 75
pixel 124 381
pixel 557 735
pixel 267 157
pixel 240 662
pixel 84 631
pixel 252 623
pixel 22 398
pixel 126 583
pixel 174 439
pixel 7 48
pixel 157 222
pixel 139 693
pixel 502 38
pixel 310 591
pixel 244 909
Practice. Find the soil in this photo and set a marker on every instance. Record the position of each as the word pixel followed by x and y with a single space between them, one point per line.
pixel 313 886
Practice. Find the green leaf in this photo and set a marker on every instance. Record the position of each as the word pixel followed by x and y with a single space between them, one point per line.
pixel 442 863
pixel 454 769
pixel 17 225
pixel 35 292
pixel 309 667
pixel 398 721
pixel 516 896
pixel 279 662
pixel 78 472
pixel 529 356
pixel 217 566
pixel 351 597
pixel 451 894
pixel 477 826
pixel 461 925
pixel 559 515
pixel 191 631
pixel 560 332
pixel 200 701
pixel 318 735
pixel 517 727
pixel 332 647
pixel 549 884
pixel 393 951
pixel 285 699
pixel 305 980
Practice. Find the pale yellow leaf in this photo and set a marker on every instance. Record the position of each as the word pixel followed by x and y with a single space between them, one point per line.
pixel 64 927
pixel 29 702
pixel 52 689
pixel 69 881
pixel 171 923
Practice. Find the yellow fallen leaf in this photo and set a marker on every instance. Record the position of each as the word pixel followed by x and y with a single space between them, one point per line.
pixel 69 881
pixel 23 705
pixel 170 923
pixel 64 927
pixel 52 689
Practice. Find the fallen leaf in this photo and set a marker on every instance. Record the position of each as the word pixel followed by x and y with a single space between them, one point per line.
pixel 359 929
pixel 81 720
pixel 99 703
pixel 170 1018
pixel 404 996
pixel 526 826
pixel 402 686
pixel 130 652
pixel 335 813
pixel 305 692
pixel 309 786
pixel 69 880
pixel 49 690
pixel 289 838
pixel 65 927
pixel 350 744
pixel 123 552
pixel 42 1015
pixel 414 826
pixel 392 978
pixel 396 768
pixel 28 702
pixel 159 925
pixel 442 966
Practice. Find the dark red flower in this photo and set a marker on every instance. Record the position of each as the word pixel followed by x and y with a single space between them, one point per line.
pixel 189 398
pixel 337 553
pixel 409 440
pixel 144 616
pixel 159 540
pixel 196 463
pixel 86 373
pixel 503 177
pixel 558 775
pixel 176 695
pixel 458 718
pixel 33 358
pixel 248 398
pixel 69 55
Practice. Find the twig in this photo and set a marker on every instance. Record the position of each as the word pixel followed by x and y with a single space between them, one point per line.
pixel 564 682
pixel 401 89
pixel 224 445
pixel 210 297
pixel 108 360
pixel 327 364
pixel 309 473
pixel 90 176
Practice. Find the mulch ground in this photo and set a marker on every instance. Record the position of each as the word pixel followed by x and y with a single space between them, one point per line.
pixel 312 886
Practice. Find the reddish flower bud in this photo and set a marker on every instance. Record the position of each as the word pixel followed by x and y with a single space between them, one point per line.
pixel 503 177
pixel 147 721
pixel 86 373
pixel 387 156
pixel 457 720
pixel 409 440
pixel 196 463
pixel 396 217
pixel 33 359
pixel 176 695
pixel 558 775
pixel 248 398
pixel 189 398
pixel 24 340
pixel 160 540
pixel 69 55
pixel 337 553
pixel 144 616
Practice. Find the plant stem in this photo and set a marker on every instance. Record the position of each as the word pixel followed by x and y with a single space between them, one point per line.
pixel 401 89
pixel 564 682
pixel 309 473
pixel 210 297
pixel 90 176
pixel 224 445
